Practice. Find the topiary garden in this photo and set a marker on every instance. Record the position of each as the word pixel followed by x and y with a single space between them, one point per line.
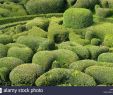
pixel 56 42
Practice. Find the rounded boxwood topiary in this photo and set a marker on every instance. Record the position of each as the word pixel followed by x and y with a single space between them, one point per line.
pixel 39 22
pixel 10 62
pixel 82 64
pixel 81 79
pixel 25 74
pixel 106 57
pixel 77 18
pixel 45 6
pixel 53 77
pixel 24 53
pixel 3 50
pixel 44 59
pixel 95 51
pixel 90 4
pixel 95 41
pixel 104 12
pixel 102 75
pixel 108 40
pixel 5 39
pixel 64 58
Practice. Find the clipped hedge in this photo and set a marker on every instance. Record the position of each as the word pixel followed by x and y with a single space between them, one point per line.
pixel 53 77
pixel 90 4
pixel 77 18
pixel 57 33
pixel 44 59
pixel 81 79
pixel 82 64
pixel 10 62
pixel 39 22
pixel 5 39
pixel 45 6
pixel 3 50
pixel 108 40
pixel 95 51
pixel 102 75
pixel 25 74
pixel 23 53
pixel 106 57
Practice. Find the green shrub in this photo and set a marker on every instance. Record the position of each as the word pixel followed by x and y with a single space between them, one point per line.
pixel 90 4
pixel 95 51
pixel 45 6
pixel 4 75
pixel 30 41
pixel 5 39
pixel 77 18
pixel 25 74
pixel 57 33
pixel 3 50
pixel 107 3
pixel 104 12
pixel 14 9
pixel 81 51
pixel 95 41
pixel 46 45
pixel 102 75
pixel 78 39
pixel 15 45
pixel 38 32
pixel 4 12
pixel 99 30
pixel 39 22
pixel 81 79
pixel 10 62
pixel 44 59
pixel 82 64
pixel 64 58
pixel 36 43
pixel 108 40
pixel 53 77
pixel 106 57
pixel 24 53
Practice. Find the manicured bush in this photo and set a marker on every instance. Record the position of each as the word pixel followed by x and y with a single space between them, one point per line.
pixel 64 58
pixel 77 18
pixel 99 31
pixel 95 41
pixel 46 45
pixel 25 74
pixel 108 40
pixel 4 12
pixel 57 33
pixel 39 22
pixel 95 51
pixel 44 59
pixel 5 39
pixel 90 4
pixel 24 53
pixel 30 41
pixel 81 51
pixel 53 77
pixel 104 12
pixel 71 2
pixel 82 64
pixel 38 32
pixel 14 9
pixel 78 39
pixel 102 75
pixel 81 79
pixel 3 50
pixel 45 6
pixel 106 57
pixel 107 3
pixel 10 62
